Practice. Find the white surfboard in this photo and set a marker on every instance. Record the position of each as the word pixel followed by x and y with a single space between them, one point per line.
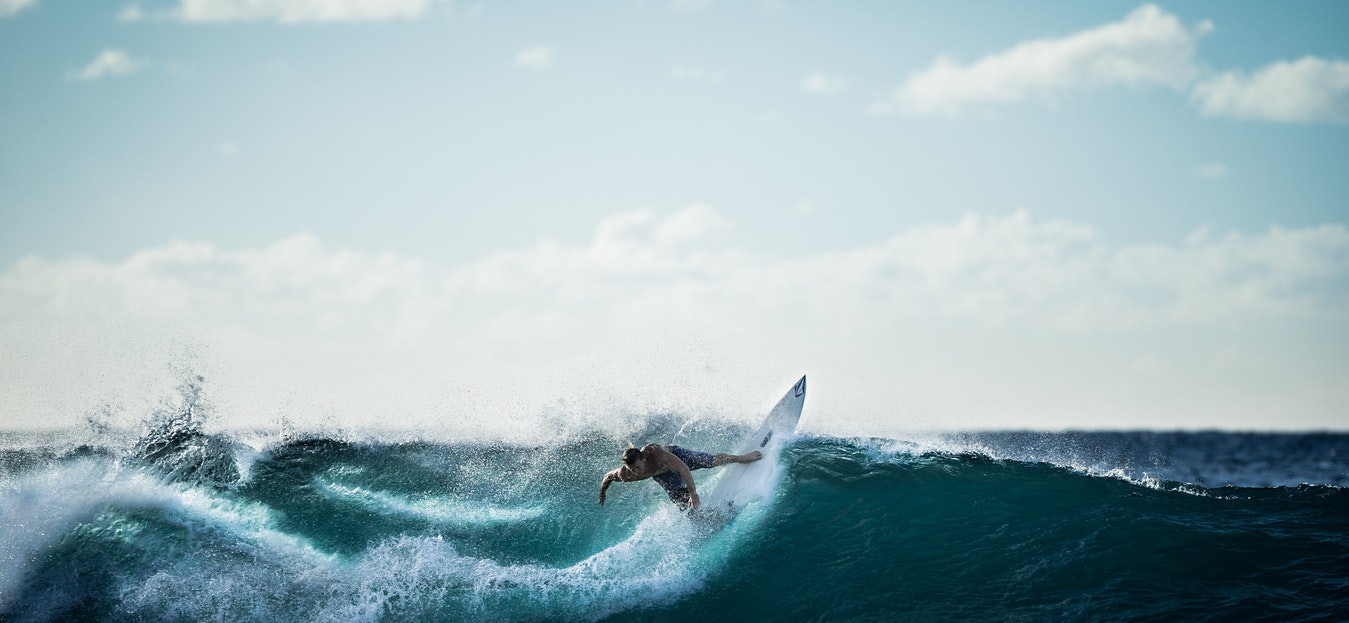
pixel 742 483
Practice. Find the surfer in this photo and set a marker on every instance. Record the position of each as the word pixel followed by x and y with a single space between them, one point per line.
pixel 670 466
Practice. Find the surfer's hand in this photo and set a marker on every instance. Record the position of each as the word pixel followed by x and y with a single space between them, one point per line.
pixel 601 498
pixel 755 455
pixel 694 502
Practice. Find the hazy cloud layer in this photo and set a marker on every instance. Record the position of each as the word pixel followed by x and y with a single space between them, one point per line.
pixel 986 268
pixel 652 294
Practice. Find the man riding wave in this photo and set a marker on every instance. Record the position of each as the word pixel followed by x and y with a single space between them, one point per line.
pixel 671 466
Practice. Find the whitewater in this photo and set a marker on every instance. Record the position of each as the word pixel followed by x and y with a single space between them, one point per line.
pixel 174 521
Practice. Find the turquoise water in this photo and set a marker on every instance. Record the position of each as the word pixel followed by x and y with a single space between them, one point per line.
pixel 183 526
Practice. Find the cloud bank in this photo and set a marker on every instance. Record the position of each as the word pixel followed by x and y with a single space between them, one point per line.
pixel 1001 321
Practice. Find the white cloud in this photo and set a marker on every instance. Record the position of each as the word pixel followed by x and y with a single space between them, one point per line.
pixel 1306 90
pixel 1006 304
pixel 537 57
pixel 299 11
pixel 1149 47
pixel 823 84
pixel 132 13
pixel 107 64
pixel 13 7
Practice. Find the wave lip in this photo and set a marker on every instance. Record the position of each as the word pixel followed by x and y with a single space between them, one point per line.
pixel 446 510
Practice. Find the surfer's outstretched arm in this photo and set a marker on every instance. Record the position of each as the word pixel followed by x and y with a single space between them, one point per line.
pixel 609 479
pixel 679 466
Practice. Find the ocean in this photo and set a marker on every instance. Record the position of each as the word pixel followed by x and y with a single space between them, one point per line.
pixel 171 522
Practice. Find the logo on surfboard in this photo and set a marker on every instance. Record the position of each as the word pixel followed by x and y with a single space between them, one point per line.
pixel 800 387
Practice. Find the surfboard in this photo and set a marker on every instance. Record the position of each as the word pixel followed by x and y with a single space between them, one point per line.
pixel 742 483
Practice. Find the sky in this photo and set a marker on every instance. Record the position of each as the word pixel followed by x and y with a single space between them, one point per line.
pixel 423 213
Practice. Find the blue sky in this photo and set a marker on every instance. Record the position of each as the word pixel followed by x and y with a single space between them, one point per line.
pixel 1043 215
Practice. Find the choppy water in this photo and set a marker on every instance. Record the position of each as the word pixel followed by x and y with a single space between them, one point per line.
pixel 179 525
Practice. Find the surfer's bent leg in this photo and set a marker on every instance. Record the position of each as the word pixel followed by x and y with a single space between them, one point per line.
pixel 674 485
pixel 726 459
pixel 694 459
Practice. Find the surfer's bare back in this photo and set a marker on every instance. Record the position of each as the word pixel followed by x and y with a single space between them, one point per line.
pixel 670 466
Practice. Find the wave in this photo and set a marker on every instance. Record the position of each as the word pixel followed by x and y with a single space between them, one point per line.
pixel 99 501
pixel 858 529
pixel 196 556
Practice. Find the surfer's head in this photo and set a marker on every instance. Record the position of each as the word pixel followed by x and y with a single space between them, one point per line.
pixel 631 456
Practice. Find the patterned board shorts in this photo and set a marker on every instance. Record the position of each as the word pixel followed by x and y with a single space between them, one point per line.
pixel 670 480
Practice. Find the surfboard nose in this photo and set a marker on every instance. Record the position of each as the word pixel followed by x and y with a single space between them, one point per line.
pixel 799 389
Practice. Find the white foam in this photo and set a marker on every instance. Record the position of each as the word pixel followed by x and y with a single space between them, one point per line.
pixel 666 558
pixel 444 510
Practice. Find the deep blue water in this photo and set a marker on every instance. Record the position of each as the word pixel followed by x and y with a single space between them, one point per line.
pixel 179 525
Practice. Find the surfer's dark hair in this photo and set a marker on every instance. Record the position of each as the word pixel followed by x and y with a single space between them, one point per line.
pixel 631 455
